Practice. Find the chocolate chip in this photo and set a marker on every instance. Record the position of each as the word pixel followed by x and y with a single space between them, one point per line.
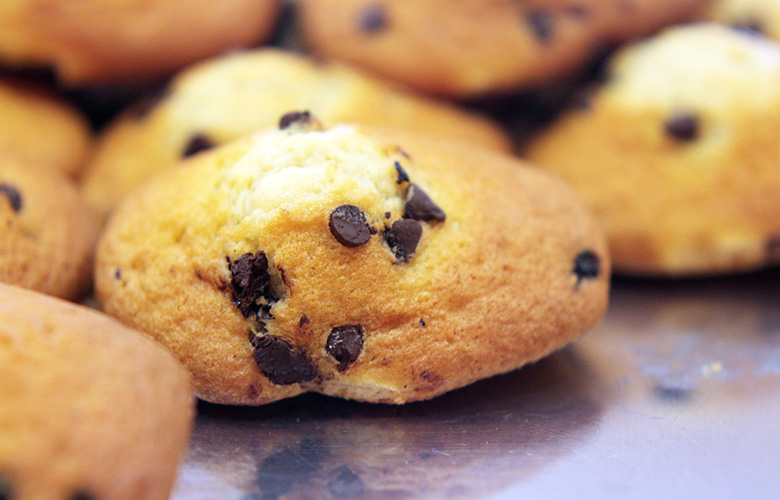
pixel 587 265
pixel 249 281
pixel 299 117
pixel 344 344
pixel 402 238
pixel 373 18
pixel 303 321
pixel 196 144
pixel 349 226
pixel 346 483
pixel 388 215
pixel 541 24
pixel 281 362
pixel 13 195
pixel 749 26
pixel 118 274
pixel 422 322
pixel 419 206
pixel 683 126
pixel 402 175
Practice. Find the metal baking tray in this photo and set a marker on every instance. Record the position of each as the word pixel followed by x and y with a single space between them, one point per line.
pixel 676 394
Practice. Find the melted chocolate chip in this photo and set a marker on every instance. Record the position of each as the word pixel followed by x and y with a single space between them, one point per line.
pixel 419 206
pixel 300 117
pixel 281 362
pixel 402 238
pixel 373 18
pixel 683 126
pixel 344 344
pixel 541 24
pixel 346 483
pixel 349 226
pixel 249 281
pixel 587 265
pixel 196 144
pixel 13 195
pixel 402 175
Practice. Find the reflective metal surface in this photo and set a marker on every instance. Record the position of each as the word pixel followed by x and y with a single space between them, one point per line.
pixel 675 394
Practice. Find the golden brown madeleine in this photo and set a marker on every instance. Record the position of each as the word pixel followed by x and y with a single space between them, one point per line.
pixel 100 41
pixel 40 128
pixel 225 98
pixel 322 259
pixel 88 407
pixel 678 153
pixel 47 233
pixel 464 48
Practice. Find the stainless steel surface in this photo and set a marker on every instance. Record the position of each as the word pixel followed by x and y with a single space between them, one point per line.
pixel 675 394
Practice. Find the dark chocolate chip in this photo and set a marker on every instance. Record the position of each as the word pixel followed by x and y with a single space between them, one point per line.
pixel 281 362
pixel 249 281
pixel 118 274
pixel 419 206
pixel 6 492
pixel 749 26
pixel 349 226
pixel 402 238
pixel 541 24
pixel 425 375
pixel 683 126
pixel 402 175
pixel 587 265
pixel 344 344
pixel 422 322
pixel 346 483
pixel 373 18
pixel 301 117
pixel 13 195
pixel 387 215
pixel 303 321
pixel 196 144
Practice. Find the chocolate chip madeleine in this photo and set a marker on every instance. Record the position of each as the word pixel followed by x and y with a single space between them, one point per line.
pixel 90 410
pixel 678 152
pixel 331 260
